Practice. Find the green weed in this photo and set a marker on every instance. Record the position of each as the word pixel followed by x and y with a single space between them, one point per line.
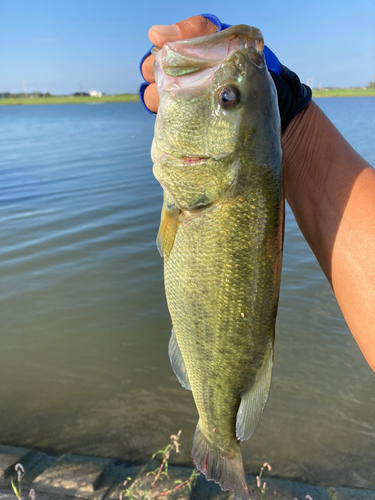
pixel 17 487
pixel 134 493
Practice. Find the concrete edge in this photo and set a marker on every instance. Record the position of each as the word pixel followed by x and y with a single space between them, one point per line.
pixel 95 478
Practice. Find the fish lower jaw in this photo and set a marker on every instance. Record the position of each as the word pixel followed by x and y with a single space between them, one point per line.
pixel 163 157
pixel 193 160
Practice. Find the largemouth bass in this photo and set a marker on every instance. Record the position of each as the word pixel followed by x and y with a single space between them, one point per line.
pixel 217 155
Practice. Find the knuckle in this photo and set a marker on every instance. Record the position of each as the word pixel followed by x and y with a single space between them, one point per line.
pixel 197 26
pixel 151 97
pixel 148 69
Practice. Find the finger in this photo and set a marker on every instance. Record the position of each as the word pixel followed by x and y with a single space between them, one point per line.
pixel 189 28
pixel 151 97
pixel 148 69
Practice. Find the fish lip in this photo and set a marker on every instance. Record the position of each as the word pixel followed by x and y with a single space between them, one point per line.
pixel 194 160
pixel 188 160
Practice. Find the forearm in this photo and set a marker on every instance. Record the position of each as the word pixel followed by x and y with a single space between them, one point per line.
pixel 331 190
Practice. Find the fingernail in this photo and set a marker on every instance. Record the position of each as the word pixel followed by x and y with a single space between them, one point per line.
pixel 166 30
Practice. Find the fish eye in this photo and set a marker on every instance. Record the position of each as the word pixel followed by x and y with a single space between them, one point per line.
pixel 228 96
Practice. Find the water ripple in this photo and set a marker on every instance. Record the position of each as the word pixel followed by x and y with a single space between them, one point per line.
pixel 84 323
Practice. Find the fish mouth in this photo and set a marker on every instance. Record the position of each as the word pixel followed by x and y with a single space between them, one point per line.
pixel 186 160
pixel 194 160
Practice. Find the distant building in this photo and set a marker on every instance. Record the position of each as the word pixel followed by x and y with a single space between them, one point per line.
pixel 95 93
pixel 80 94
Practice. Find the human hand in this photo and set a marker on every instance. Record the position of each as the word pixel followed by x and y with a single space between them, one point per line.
pixel 293 96
pixel 189 28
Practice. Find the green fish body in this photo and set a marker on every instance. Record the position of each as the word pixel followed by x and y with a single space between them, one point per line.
pixel 217 155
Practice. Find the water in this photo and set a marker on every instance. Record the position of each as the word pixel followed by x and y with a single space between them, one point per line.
pixel 84 324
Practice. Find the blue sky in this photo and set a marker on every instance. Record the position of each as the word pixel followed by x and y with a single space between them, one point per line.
pixel 62 46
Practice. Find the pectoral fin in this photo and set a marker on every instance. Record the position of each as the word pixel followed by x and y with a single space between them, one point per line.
pixel 177 362
pixel 253 401
pixel 167 230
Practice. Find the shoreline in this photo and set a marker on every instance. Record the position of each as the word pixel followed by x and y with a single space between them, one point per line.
pixel 343 93
pixel 15 101
pixel 97 478
pixel 35 101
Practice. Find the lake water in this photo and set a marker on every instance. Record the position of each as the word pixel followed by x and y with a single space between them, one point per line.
pixel 83 319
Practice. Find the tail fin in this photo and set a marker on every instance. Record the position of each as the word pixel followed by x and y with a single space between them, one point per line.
pixel 227 472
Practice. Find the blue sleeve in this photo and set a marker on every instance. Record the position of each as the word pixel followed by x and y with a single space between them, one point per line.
pixel 273 64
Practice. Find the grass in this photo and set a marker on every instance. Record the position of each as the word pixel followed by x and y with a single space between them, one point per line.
pixel 155 489
pixel 360 92
pixel 152 492
pixel 69 100
pixel 17 487
pixel 344 93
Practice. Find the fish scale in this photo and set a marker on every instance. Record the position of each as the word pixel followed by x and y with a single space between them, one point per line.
pixel 198 292
pixel 220 166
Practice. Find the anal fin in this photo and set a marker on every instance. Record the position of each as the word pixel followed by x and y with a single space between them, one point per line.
pixel 167 230
pixel 253 401
pixel 177 362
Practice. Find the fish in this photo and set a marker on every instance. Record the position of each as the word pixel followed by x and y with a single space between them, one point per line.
pixel 217 154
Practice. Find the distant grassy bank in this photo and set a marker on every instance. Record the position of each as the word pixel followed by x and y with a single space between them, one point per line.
pixel 134 97
pixel 344 93
pixel 69 100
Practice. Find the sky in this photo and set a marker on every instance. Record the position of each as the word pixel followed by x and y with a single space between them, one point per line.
pixel 64 46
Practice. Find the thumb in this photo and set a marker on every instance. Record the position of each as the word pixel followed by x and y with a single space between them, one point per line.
pixel 189 28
